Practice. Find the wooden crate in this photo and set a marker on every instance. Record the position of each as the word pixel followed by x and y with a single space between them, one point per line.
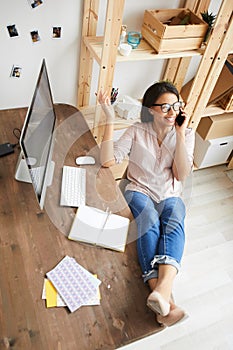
pixel 169 38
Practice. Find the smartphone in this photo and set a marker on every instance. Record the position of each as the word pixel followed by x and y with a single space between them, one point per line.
pixel 180 118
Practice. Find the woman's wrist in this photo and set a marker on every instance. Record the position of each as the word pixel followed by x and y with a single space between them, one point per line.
pixel 109 122
pixel 109 113
pixel 180 136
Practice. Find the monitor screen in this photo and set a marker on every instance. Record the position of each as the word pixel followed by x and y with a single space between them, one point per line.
pixel 37 135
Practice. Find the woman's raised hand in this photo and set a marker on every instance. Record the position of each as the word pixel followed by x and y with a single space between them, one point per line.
pixel 105 102
pixel 103 98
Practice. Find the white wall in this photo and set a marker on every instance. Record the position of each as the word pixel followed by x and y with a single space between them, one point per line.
pixel 62 55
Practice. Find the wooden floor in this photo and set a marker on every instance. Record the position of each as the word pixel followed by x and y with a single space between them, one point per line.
pixel 205 285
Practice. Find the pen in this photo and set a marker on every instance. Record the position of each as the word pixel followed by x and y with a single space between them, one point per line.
pixel 114 94
pixel 108 213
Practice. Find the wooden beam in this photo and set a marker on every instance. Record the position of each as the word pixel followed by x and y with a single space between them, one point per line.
pixel 213 75
pixel 197 6
pixel 171 67
pixel 230 164
pixel 111 42
pixel 191 4
pixel 176 70
pixel 181 72
pixel 112 31
pixel 90 19
pixel 198 85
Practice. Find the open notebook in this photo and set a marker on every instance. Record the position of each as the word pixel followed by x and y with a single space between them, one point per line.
pixel 95 226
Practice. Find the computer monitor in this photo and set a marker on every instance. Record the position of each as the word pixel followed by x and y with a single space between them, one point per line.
pixel 36 140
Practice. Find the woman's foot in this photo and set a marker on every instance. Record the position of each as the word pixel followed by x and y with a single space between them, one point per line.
pixel 175 315
pixel 158 304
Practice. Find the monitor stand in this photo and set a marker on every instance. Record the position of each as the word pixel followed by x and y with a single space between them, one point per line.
pixel 22 172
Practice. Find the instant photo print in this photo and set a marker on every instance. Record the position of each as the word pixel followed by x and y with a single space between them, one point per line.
pixel 56 32
pixel 35 36
pixel 16 71
pixel 35 3
pixel 12 30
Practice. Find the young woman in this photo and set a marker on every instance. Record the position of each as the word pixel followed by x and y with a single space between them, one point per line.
pixel 160 155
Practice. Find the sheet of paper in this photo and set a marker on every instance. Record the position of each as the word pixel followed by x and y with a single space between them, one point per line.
pixel 75 285
pixel 52 297
pixel 96 299
pixel 49 293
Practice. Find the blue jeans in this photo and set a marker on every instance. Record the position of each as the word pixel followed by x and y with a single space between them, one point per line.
pixel 160 227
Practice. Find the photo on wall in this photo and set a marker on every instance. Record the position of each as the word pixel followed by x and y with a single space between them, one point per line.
pixel 16 71
pixel 56 32
pixel 35 36
pixel 12 30
pixel 35 3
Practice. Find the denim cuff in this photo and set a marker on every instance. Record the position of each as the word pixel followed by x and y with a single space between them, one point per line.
pixel 165 259
pixel 151 274
pixel 160 259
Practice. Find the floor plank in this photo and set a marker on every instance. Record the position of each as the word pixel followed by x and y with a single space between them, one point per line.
pixel 204 286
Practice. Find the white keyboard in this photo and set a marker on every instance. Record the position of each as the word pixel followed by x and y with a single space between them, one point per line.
pixel 37 174
pixel 73 188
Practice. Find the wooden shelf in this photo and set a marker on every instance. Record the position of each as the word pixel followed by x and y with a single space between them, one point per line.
pixel 104 50
pixel 214 110
pixel 120 123
pixel 142 53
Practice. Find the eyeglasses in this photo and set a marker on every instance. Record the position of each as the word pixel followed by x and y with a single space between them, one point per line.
pixel 165 107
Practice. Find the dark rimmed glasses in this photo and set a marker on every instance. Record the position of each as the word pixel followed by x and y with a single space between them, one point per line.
pixel 165 107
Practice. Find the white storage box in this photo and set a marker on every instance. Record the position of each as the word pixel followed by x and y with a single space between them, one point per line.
pixel 128 108
pixel 212 152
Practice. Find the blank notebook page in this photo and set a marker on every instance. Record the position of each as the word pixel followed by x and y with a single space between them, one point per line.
pixel 95 226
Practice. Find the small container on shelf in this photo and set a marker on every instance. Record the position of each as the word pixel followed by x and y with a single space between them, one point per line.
pixel 123 34
pixel 125 49
pixel 134 38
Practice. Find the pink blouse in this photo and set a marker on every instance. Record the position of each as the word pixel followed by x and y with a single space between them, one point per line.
pixel 150 165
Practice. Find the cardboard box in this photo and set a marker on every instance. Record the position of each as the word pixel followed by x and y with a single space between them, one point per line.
pixel 186 90
pixel 224 84
pixel 226 102
pixel 170 38
pixel 216 126
pixel 128 108
pixel 223 90
pixel 212 152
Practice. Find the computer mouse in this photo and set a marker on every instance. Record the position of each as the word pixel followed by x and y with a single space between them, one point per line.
pixel 85 160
